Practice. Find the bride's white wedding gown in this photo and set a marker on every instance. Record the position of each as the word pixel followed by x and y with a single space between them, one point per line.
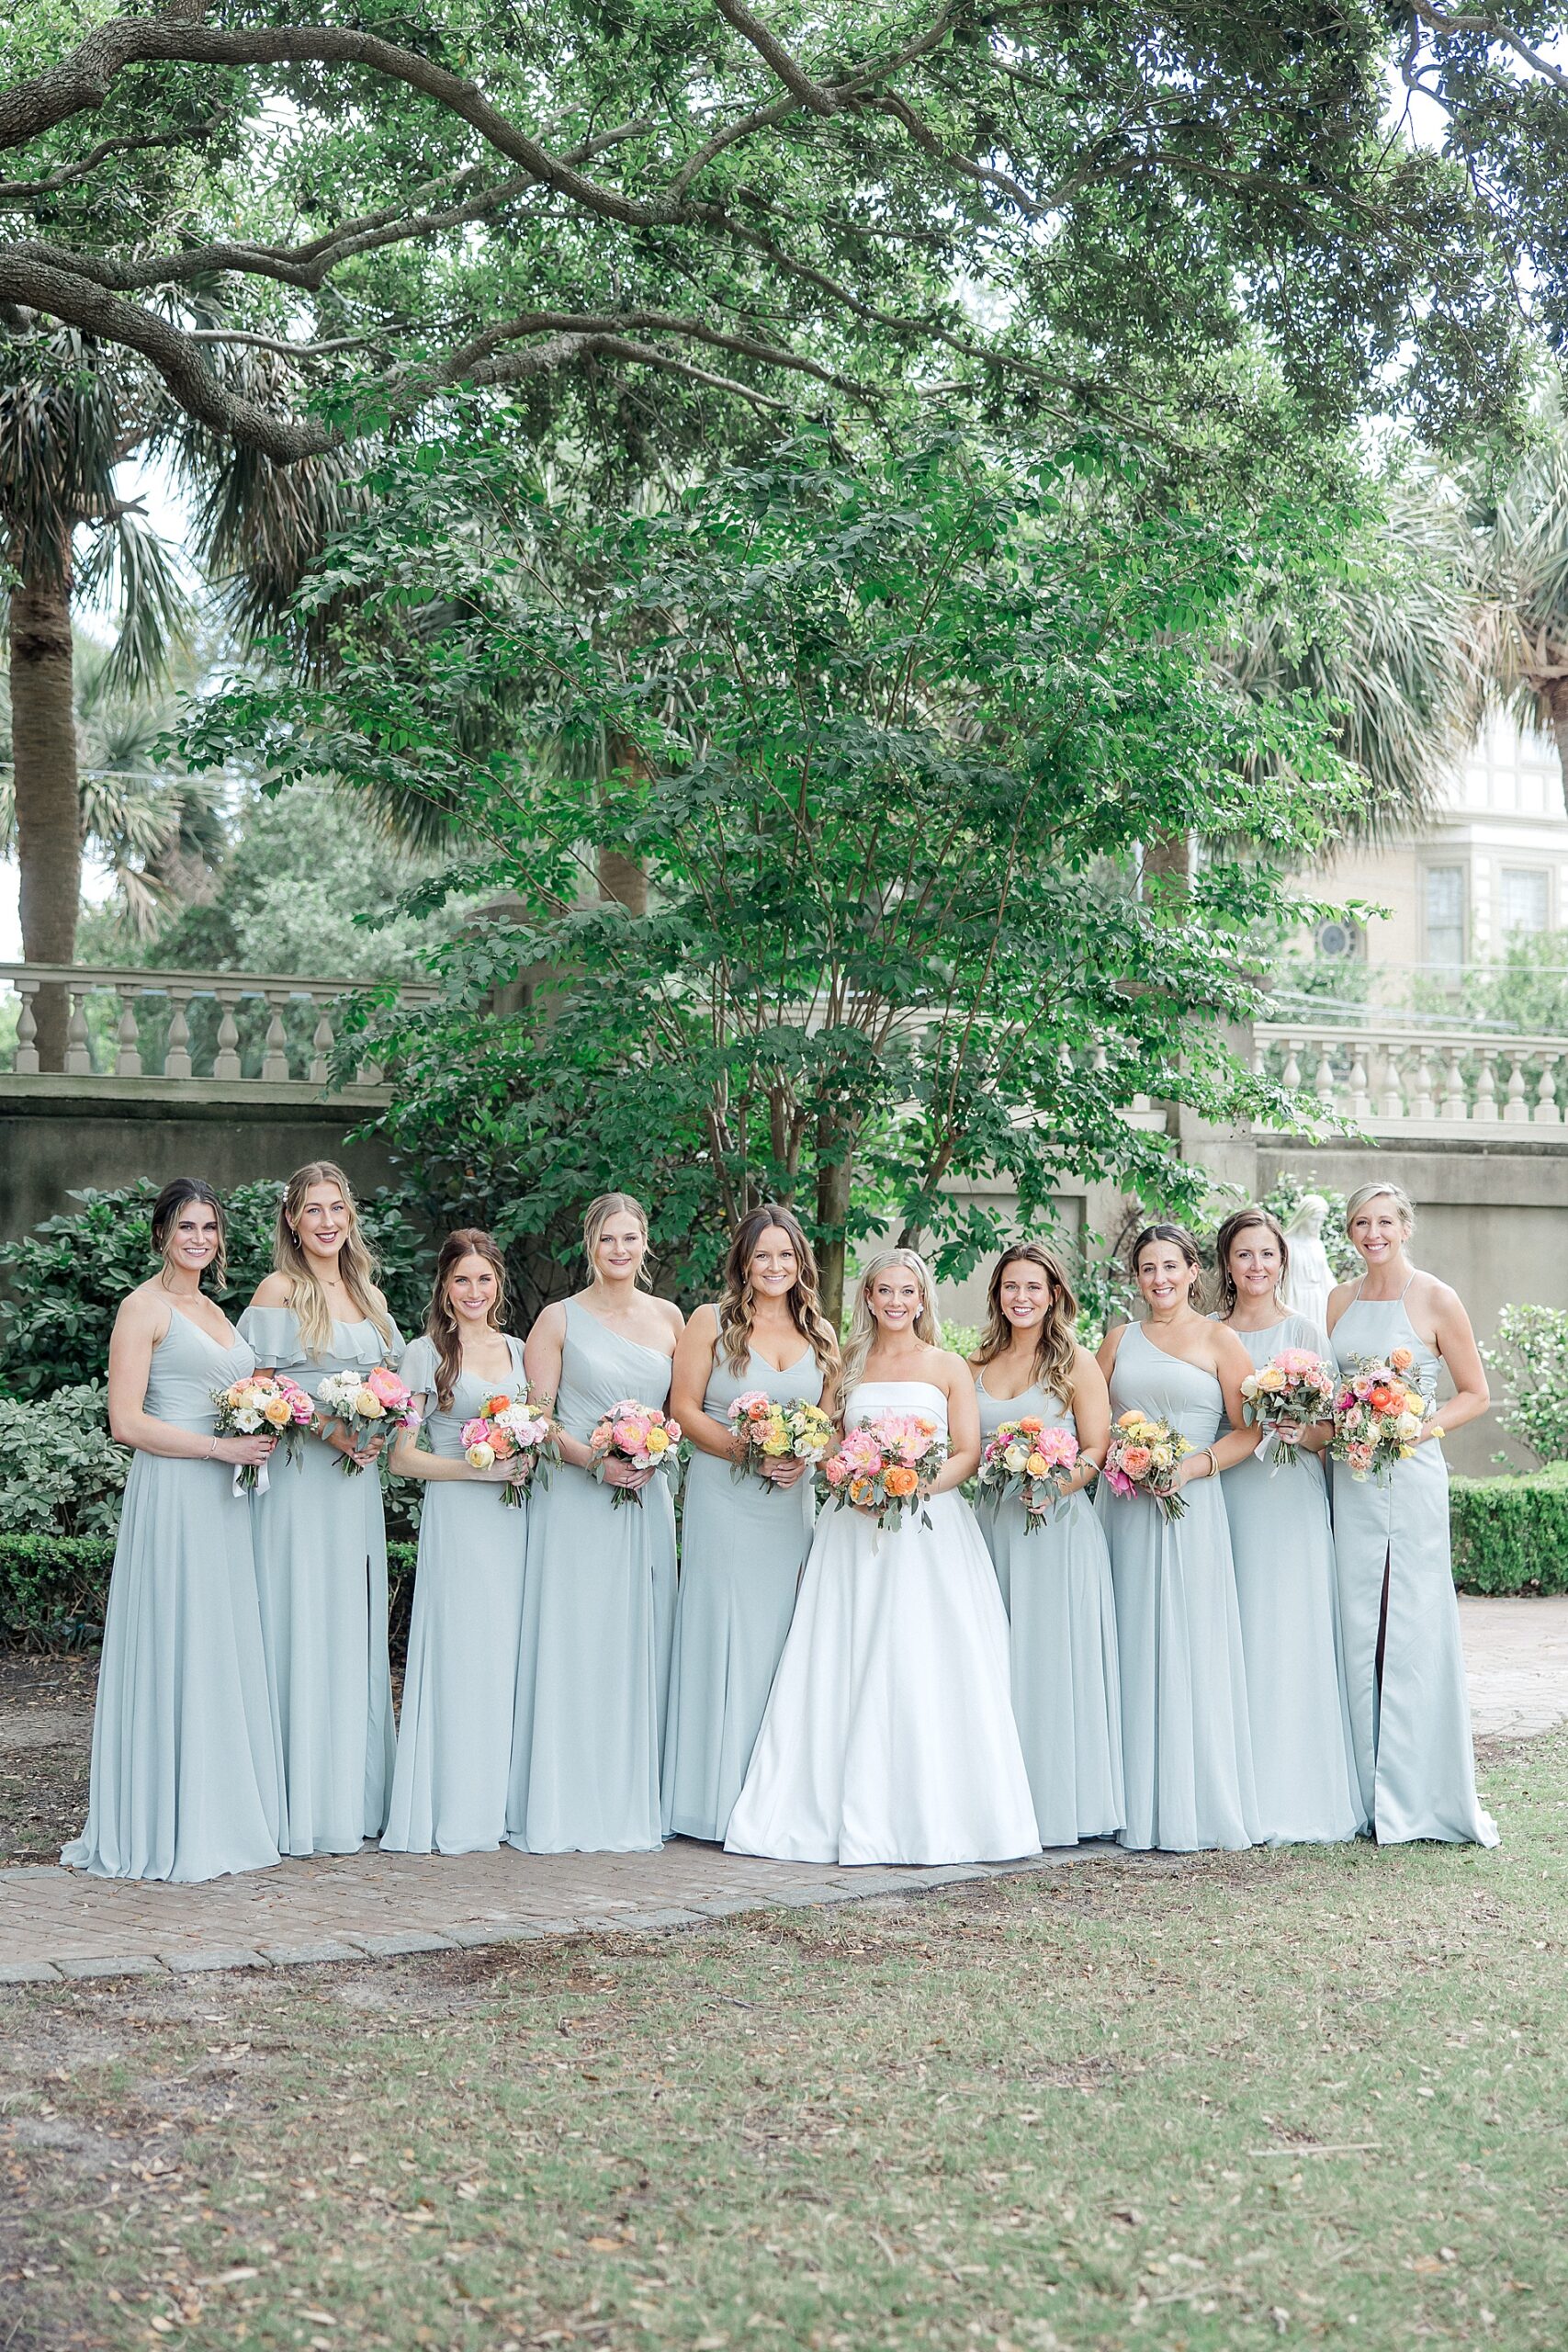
pixel 889 1733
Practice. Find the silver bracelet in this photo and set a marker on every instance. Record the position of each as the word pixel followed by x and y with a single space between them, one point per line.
pixel 212 1448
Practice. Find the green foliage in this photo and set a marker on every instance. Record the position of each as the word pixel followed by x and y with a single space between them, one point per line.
pixel 888 739
pixel 60 1472
pixel 65 1280
pixel 1531 1352
pixel 1511 1534
pixel 54 1589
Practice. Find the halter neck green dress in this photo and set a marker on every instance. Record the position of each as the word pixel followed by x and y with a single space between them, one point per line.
pixel 187 1774
pixel 1411 1723
pixel 598 1617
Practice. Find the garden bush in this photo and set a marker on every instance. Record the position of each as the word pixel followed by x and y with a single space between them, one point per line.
pixel 60 1472
pixel 1531 1353
pixel 53 1588
pixel 1511 1534
pixel 65 1281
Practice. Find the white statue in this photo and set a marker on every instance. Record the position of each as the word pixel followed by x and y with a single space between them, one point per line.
pixel 1309 1278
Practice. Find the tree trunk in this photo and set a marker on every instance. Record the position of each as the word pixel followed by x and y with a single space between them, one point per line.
pixel 621 881
pixel 1555 696
pixel 49 807
pixel 1168 856
pixel 833 1183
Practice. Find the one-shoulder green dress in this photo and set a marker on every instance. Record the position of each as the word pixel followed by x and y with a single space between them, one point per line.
pixel 186 1771
pixel 598 1616
pixel 320 1539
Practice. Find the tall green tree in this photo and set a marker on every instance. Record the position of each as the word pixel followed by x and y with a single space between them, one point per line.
pixel 1194 223
pixel 895 733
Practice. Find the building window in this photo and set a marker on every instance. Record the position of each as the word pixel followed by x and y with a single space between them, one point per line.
pixel 1445 916
pixel 1524 900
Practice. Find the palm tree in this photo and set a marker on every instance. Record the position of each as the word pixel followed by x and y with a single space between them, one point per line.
pixel 69 416
pixel 1519 630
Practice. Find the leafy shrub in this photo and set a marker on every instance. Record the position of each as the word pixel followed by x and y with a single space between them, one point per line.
pixel 60 1472
pixel 65 1281
pixel 1531 1353
pixel 1510 1535
pixel 53 1589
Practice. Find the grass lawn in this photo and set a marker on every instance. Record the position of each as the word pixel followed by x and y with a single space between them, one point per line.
pixel 1289 2098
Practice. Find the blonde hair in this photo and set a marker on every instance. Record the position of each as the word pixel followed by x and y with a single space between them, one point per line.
pixel 1056 1350
pixel 736 1307
pixel 1242 1221
pixel 863 1325
pixel 597 1216
pixel 1381 1191
pixel 355 1262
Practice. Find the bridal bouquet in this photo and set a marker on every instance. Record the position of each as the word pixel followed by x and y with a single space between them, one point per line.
pixel 368 1404
pixel 264 1401
pixel 773 1432
pixel 641 1434
pixel 1032 1459
pixel 1142 1461
pixel 1291 1390
pixel 881 1463
pixel 1379 1414
pixel 509 1431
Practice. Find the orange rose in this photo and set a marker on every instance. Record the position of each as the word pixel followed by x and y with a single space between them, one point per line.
pixel 494 1405
pixel 901 1480
pixel 1032 1426
pixel 1381 1398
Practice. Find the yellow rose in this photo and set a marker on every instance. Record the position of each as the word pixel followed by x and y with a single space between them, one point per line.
pixel 277 1411
pixel 657 1441
pixel 1036 1466
pixel 369 1406
pixel 775 1443
pixel 479 1458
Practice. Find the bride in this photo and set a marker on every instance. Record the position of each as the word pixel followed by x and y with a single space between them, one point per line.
pixel 889 1733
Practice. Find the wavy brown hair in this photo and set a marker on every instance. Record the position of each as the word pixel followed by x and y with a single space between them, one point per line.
pixel 165 1215
pixel 1056 1350
pixel 1242 1221
pixel 440 1324
pixel 355 1262
pixel 736 1307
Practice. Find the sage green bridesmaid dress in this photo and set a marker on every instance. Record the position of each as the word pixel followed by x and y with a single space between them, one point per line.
pixel 454 1733
pixel 1411 1722
pixel 1185 1735
pixel 320 1539
pixel 1067 1685
pixel 187 1775
pixel 743 1544
pixel 1303 1757
pixel 597 1618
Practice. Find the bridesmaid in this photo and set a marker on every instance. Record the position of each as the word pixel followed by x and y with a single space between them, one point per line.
pixel 742 1546
pixel 1404 1663
pixel 1186 1741
pixel 187 1776
pixel 1303 1758
pixel 455 1735
pixel 598 1594
pixel 1055 1582
pixel 320 1534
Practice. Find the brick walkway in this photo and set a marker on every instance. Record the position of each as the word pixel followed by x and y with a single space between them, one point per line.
pixel 55 1924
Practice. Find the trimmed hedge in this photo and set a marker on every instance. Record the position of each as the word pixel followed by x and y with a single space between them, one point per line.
pixel 53 1589
pixel 1510 1535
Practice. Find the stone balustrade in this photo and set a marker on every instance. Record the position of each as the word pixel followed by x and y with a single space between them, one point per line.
pixel 1418 1079
pixel 213 1031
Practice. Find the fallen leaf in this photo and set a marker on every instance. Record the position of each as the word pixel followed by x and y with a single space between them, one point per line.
pixel 232 2278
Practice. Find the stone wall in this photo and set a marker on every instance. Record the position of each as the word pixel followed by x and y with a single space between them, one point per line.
pixel 67 1138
